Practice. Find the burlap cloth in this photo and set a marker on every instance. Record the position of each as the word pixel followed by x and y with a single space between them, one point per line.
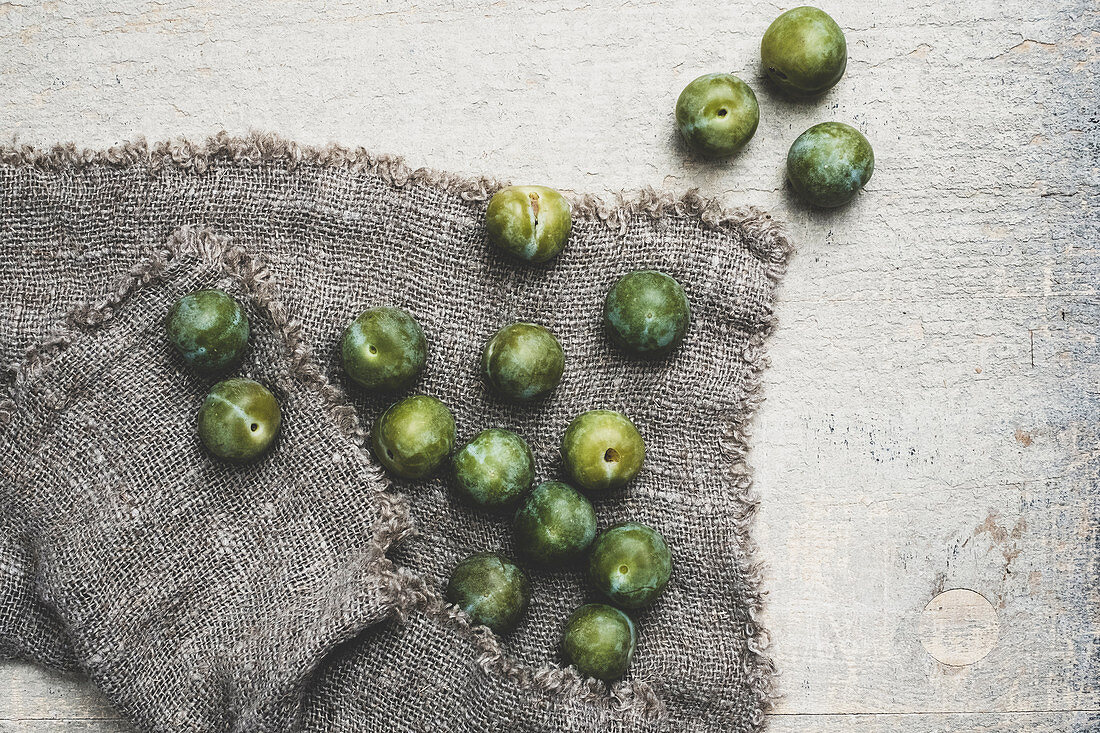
pixel 303 592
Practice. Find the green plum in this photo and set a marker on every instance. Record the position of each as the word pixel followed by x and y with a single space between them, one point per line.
pixel 491 590
pixel 209 329
pixel 630 564
pixel 599 641
pixel 804 51
pixel 239 420
pixel 555 524
pixel 602 450
pixel 493 469
pixel 414 436
pixel 717 114
pixel 384 349
pixel 647 313
pixel 523 362
pixel 829 163
pixel 530 223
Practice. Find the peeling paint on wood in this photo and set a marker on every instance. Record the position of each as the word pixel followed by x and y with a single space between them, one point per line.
pixel 933 414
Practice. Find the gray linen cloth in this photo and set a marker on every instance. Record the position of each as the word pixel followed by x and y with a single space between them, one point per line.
pixel 303 592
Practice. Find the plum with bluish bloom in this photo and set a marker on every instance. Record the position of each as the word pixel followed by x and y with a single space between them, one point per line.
pixel 555 524
pixel 239 420
pixel 523 362
pixel 384 349
pixel 717 114
pixel 804 51
pixel 414 436
pixel 209 329
pixel 529 223
pixel 647 313
pixel 828 164
pixel 602 450
pixel 630 564
pixel 599 641
pixel 493 469
pixel 493 591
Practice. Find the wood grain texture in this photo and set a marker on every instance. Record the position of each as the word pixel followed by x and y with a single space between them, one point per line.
pixel 1020 722
pixel 933 413
pixel 33 694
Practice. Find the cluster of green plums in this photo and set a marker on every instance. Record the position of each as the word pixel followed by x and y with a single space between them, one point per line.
pixel 804 53
pixel 646 314
pixel 240 418
pixel 554 526
pixel 554 523
pixel 384 350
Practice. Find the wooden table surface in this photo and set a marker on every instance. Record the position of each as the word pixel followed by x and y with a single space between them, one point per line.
pixel 933 407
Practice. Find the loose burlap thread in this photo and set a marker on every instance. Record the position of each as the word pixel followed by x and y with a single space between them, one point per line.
pixel 304 592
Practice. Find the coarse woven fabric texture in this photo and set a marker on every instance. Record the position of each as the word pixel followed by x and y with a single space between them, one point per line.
pixel 304 592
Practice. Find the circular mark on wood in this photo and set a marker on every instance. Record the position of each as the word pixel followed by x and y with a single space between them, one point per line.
pixel 958 627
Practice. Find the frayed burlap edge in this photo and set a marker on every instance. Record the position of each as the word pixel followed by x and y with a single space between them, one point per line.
pixel 767 242
pixel 755 229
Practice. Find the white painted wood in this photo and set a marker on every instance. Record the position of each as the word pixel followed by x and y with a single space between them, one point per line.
pixel 932 419
pixel 30 693
pixel 1029 722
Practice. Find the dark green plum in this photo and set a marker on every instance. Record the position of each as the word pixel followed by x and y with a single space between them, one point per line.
pixel 491 590
pixel 829 163
pixel 599 641
pixel 630 564
pixel 647 313
pixel 523 362
pixel 717 114
pixel 414 436
pixel 529 223
pixel 602 450
pixel 239 420
pixel 209 329
pixel 384 349
pixel 804 52
pixel 555 524
pixel 494 469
